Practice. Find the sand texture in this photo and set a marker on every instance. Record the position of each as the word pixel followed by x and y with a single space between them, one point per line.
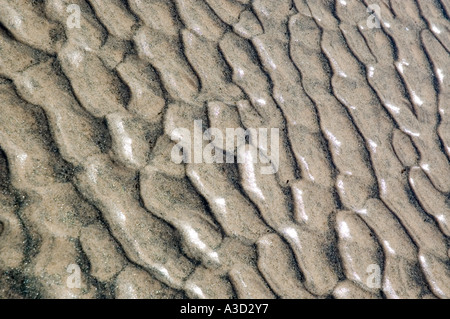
pixel 93 206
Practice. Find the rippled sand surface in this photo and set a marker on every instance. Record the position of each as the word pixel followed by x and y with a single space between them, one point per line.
pixel 359 207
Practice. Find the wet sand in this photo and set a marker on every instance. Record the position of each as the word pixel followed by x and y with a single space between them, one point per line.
pixel 359 206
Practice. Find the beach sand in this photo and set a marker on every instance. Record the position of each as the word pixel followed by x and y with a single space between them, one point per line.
pixel 92 204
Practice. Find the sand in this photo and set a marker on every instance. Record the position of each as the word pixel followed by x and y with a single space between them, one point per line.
pixel 92 204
